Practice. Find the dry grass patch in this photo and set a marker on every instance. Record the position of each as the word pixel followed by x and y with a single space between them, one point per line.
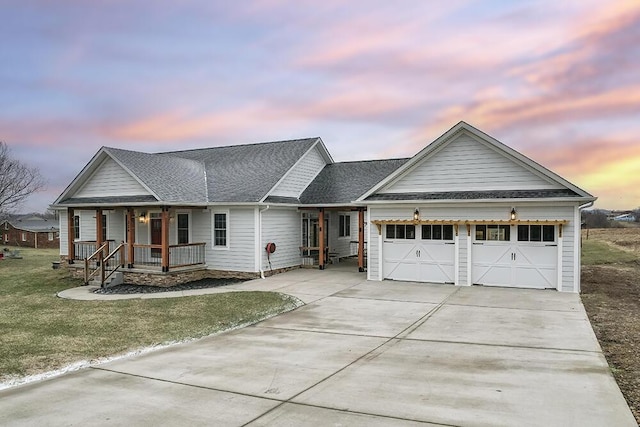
pixel 42 332
pixel 611 296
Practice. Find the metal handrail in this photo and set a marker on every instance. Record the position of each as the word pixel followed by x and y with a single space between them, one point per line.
pixel 119 248
pixel 102 261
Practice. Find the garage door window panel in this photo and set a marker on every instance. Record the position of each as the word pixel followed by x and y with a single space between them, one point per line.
pixel 536 233
pixel 437 232
pixel 492 232
pixel 401 231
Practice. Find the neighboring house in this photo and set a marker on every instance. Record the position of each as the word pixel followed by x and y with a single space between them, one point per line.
pixel 464 210
pixel 626 217
pixel 30 231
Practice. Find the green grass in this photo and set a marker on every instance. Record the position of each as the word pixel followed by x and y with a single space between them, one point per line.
pixel 595 252
pixel 41 332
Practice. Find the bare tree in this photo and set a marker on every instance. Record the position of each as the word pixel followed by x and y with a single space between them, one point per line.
pixel 17 180
pixel 595 219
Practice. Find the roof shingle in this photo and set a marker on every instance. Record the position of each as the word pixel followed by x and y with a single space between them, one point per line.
pixel 346 182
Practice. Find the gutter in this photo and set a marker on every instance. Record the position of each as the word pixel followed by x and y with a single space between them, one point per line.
pixel 259 233
pixel 586 205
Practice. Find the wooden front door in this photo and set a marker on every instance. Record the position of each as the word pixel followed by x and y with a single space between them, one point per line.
pixel 156 237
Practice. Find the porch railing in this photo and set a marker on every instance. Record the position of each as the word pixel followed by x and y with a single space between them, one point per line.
pixel 181 255
pixel 186 254
pixel 84 249
pixel 148 255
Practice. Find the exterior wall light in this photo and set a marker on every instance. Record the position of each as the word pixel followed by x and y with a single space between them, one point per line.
pixel 416 215
pixel 513 214
pixel 143 217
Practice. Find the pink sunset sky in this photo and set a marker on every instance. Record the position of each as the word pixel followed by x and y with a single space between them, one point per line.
pixel 558 81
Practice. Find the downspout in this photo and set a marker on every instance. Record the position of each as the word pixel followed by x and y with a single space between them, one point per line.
pixel 260 237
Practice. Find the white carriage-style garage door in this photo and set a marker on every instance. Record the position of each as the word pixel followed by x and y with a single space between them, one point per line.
pixel 419 253
pixel 521 256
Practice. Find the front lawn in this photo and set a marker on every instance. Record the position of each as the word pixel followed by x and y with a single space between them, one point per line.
pixel 41 332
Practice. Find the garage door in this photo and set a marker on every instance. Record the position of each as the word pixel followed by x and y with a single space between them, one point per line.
pixel 419 253
pixel 522 256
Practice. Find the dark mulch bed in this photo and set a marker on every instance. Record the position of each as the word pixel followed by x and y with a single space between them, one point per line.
pixel 126 289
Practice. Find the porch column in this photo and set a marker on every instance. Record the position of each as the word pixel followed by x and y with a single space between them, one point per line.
pixel 131 236
pixel 361 239
pixel 165 239
pixel 99 226
pixel 71 251
pixel 321 238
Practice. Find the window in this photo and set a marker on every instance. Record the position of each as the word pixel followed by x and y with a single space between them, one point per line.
pixel 536 233
pixel 6 225
pixel 50 235
pixel 104 228
pixel 183 228
pixel 76 227
pixel 6 238
pixel 344 226
pixel 492 232
pixel 220 229
pixel 401 231
pixel 24 237
pixel 437 232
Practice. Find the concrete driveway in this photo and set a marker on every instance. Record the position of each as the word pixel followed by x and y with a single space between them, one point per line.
pixel 358 354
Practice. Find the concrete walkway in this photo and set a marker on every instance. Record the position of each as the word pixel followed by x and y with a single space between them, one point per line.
pixel 359 354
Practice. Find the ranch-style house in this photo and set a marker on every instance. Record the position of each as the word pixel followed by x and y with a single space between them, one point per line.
pixel 466 210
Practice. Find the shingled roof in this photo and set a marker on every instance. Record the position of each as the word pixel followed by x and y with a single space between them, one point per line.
pixel 160 172
pixel 34 224
pixel 345 182
pixel 246 173
pixel 239 173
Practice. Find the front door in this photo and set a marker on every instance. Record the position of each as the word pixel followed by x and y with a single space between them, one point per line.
pixel 156 237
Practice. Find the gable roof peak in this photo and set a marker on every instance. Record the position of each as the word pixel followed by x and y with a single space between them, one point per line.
pixel 483 138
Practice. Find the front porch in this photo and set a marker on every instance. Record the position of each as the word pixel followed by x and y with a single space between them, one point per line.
pixel 330 234
pixel 152 241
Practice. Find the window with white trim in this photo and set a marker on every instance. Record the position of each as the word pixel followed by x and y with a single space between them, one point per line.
pixel 220 229
pixel 76 227
pixel 182 220
pixel 50 236
pixel 437 232
pixel 401 231
pixel 6 225
pixel 104 227
pixel 6 238
pixel 24 237
pixel 344 225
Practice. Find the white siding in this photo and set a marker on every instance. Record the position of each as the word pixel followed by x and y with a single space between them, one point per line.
pixel 87 224
pixel 301 175
pixel 110 180
pixel 284 228
pixel 239 256
pixel 342 245
pixel 527 211
pixel 116 225
pixel 64 231
pixel 466 164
